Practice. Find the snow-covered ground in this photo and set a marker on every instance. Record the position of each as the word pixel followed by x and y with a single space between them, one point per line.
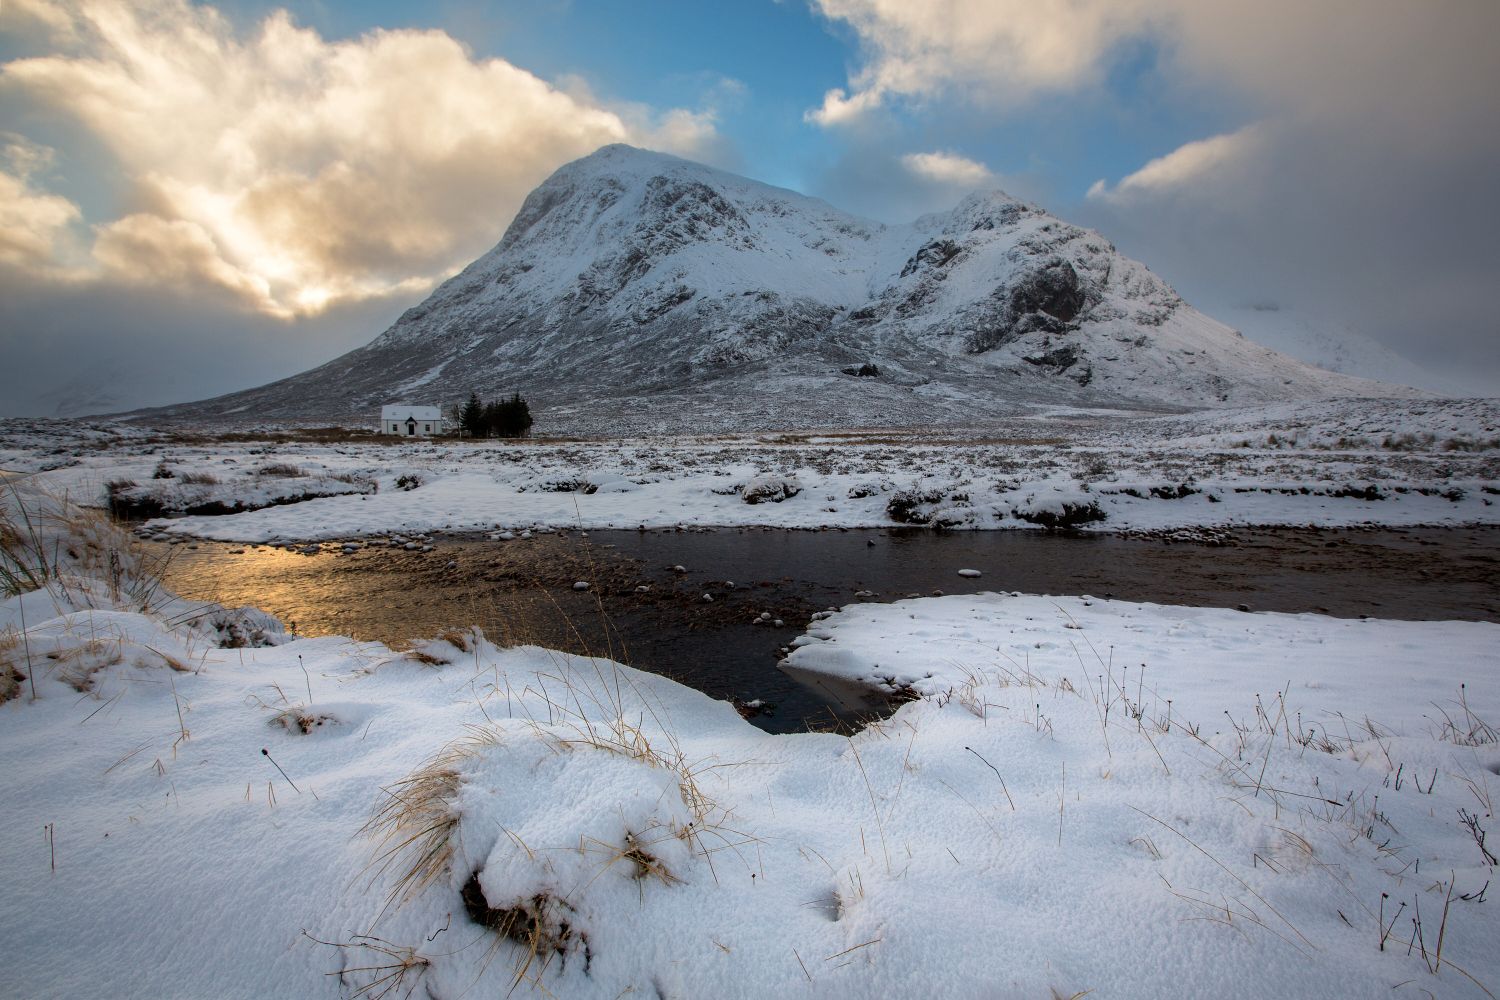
pixel 1340 463
pixel 1083 797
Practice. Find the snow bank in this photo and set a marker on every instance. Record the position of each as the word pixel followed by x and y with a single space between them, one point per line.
pixel 1403 674
pixel 325 817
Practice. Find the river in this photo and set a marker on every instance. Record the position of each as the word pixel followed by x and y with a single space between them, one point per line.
pixel 697 625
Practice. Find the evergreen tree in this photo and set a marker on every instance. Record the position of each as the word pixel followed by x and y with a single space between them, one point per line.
pixel 512 417
pixel 493 418
pixel 472 416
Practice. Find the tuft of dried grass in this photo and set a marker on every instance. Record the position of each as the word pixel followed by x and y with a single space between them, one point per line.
pixel 459 639
pixel 1462 726
pixel 416 822
pixel 44 536
pixel 11 678
pixel 77 665
pixel 301 720
pixel 542 925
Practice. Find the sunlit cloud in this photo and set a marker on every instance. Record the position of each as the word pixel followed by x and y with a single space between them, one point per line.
pixel 1188 163
pixel 34 225
pixel 948 168
pixel 995 51
pixel 148 249
pixel 1407 61
pixel 839 107
pixel 292 172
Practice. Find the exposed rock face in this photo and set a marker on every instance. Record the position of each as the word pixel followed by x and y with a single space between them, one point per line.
pixel 682 293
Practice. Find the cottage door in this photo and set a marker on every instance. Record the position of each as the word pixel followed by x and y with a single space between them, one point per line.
pixel 411 427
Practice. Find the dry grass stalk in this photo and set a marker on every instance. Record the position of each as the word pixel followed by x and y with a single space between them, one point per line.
pixel 387 965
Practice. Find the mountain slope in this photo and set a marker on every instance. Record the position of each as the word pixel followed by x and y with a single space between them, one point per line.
pixel 1334 345
pixel 635 282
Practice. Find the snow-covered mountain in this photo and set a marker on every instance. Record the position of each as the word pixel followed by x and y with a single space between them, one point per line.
pixel 639 290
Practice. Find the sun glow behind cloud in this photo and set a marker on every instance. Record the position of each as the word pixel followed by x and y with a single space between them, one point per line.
pixel 287 171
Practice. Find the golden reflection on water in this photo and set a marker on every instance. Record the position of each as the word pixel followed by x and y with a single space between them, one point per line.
pixel 369 595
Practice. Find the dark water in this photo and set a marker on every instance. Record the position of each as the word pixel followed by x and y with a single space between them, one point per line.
pixel 522 590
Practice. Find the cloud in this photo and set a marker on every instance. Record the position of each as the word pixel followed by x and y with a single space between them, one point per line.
pixel 997 52
pixel 1283 55
pixel 1331 218
pixel 105 345
pixel 839 107
pixel 148 249
pixel 34 225
pixel 290 172
pixel 1184 165
pixel 948 168
pixel 1363 187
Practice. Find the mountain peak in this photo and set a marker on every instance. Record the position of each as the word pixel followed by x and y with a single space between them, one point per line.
pixel 622 158
pixel 633 276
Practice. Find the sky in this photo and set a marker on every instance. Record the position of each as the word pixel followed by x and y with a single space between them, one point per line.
pixel 198 198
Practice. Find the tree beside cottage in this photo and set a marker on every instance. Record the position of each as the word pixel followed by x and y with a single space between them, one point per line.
pixel 506 418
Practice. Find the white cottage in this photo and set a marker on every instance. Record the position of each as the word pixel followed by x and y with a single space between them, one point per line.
pixel 411 421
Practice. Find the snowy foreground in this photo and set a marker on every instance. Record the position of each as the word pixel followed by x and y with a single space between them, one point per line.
pixel 1333 464
pixel 1083 796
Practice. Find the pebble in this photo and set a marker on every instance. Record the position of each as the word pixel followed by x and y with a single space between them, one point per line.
pixel 708 598
pixel 581 585
pixel 969 573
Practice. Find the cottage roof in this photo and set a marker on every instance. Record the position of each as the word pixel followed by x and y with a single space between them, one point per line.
pixel 403 412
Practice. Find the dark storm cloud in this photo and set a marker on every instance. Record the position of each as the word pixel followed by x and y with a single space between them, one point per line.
pixel 1360 186
pixel 95 348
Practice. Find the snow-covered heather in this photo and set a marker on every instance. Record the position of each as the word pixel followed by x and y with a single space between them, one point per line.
pixel 1037 823
pixel 1374 462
